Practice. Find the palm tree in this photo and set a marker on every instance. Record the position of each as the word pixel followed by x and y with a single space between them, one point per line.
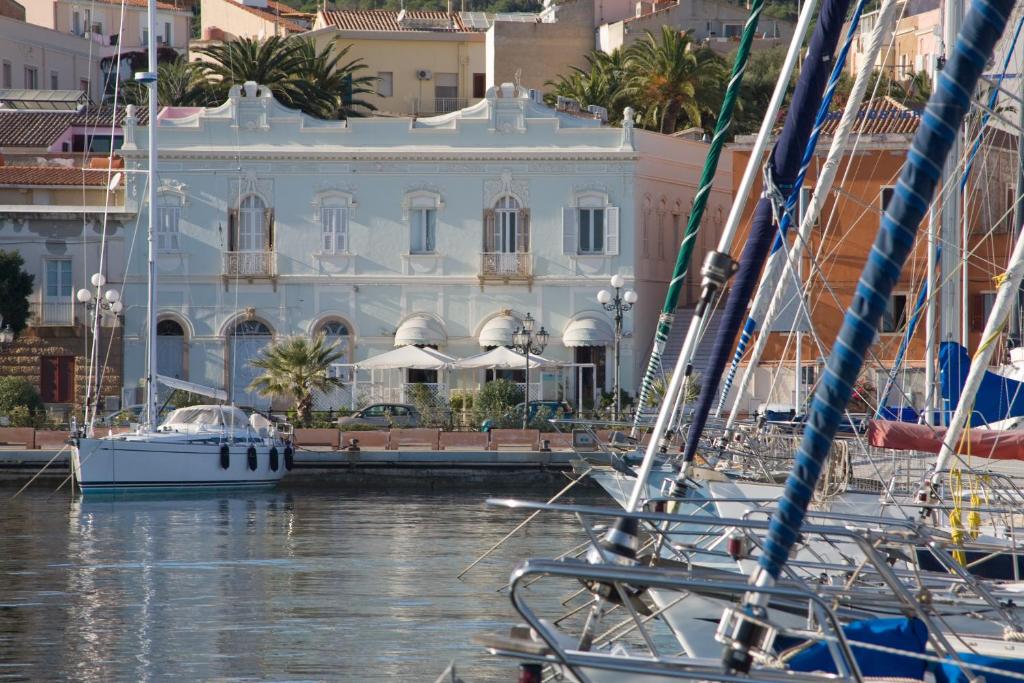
pixel 673 81
pixel 295 368
pixel 277 63
pixel 326 70
pixel 179 83
pixel 601 83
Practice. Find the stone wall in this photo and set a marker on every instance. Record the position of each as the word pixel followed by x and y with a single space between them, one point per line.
pixel 22 359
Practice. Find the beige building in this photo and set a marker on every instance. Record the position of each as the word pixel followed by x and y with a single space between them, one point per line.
pixel 99 21
pixel 714 22
pixel 227 19
pixel 37 58
pixel 912 46
pixel 427 62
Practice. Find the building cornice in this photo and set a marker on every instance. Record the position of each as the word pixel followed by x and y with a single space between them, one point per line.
pixel 510 155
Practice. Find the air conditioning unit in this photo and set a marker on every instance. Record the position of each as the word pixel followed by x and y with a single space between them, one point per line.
pixel 424 74
pixel 598 112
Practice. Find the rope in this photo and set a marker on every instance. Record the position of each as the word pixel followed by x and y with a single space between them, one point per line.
pixel 699 203
pixel 946 109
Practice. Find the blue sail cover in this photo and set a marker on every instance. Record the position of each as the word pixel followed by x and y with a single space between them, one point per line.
pixel 899 633
pixel 784 165
pixel 998 397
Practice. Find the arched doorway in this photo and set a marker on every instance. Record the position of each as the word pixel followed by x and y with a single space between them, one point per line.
pixel 245 342
pixel 170 349
pixel 337 332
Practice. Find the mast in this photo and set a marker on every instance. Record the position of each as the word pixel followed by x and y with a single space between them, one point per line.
pixel 700 199
pixel 718 266
pixel 149 78
pixel 826 177
pixel 784 174
pixel 893 244
pixel 950 228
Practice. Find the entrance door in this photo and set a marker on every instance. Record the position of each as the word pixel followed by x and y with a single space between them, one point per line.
pixel 586 386
pixel 249 338
pixel 57 379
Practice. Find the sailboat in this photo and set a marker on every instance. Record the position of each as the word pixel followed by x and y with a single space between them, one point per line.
pixel 206 446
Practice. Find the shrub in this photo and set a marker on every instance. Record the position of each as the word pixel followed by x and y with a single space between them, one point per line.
pixel 16 392
pixel 22 416
pixel 496 400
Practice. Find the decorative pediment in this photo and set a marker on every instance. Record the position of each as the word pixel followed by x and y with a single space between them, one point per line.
pixel 496 188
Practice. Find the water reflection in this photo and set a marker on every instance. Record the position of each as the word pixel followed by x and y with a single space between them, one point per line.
pixel 298 585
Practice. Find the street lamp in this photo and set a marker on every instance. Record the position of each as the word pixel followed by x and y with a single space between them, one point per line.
pixel 526 342
pixel 110 301
pixel 618 303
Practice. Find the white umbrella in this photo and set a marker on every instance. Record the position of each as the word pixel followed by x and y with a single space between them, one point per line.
pixel 504 358
pixel 412 357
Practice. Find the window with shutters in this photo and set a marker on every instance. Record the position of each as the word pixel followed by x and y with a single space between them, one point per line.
pixel 591 227
pixel 506 245
pixel 422 231
pixel 251 239
pixel 334 229
pixel 168 217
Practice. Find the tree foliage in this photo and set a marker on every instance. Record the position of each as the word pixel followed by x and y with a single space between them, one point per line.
pixel 323 83
pixel 295 368
pixel 17 392
pixel 15 288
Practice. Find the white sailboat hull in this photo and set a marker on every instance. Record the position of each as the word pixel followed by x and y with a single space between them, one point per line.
pixel 135 464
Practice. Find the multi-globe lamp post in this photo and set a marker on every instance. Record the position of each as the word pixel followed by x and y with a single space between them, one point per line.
pixel 109 301
pixel 617 303
pixel 525 341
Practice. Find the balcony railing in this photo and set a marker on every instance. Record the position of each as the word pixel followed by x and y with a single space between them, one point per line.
pixel 438 105
pixel 507 266
pixel 53 312
pixel 250 264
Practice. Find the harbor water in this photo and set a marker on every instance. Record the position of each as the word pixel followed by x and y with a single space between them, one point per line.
pixel 295 584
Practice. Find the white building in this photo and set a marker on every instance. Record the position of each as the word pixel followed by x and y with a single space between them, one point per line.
pixel 442 231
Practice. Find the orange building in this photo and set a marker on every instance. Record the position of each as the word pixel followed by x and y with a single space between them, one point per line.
pixel 843 237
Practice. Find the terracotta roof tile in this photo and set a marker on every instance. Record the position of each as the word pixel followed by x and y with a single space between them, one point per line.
pixel 387 20
pixel 274 13
pixel 51 175
pixel 880 116
pixel 43 128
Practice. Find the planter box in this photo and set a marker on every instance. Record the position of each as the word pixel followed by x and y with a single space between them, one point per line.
pixel 317 437
pixel 51 440
pixel 464 441
pixel 373 440
pixel 420 439
pixel 18 436
pixel 515 439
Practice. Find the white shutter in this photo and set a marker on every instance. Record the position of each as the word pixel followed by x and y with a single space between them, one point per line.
pixel 341 231
pixel 611 230
pixel 326 224
pixel 570 245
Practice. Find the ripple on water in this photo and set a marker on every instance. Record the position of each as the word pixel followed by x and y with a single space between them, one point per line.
pixel 287 586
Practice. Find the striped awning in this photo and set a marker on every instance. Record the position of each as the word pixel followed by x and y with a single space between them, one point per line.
pixel 420 330
pixel 588 332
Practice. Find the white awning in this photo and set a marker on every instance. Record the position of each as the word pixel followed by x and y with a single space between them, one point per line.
pixel 503 358
pixel 420 329
pixel 407 357
pixel 192 387
pixel 588 332
pixel 498 331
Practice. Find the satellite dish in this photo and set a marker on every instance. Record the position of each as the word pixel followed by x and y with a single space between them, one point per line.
pixel 114 181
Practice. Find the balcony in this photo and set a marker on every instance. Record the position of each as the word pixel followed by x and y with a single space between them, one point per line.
pixel 250 264
pixel 504 266
pixel 430 106
pixel 53 312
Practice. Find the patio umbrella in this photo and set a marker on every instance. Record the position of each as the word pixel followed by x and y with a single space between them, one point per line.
pixel 411 357
pixel 504 358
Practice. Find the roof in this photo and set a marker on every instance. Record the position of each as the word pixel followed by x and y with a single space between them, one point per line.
pixel 141 3
pixel 276 12
pixel 43 128
pixel 880 116
pixel 52 175
pixel 49 100
pixel 391 20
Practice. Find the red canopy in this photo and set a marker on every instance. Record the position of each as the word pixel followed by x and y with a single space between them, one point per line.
pixel 987 443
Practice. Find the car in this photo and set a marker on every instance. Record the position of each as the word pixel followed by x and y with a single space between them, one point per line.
pixel 551 409
pixel 383 415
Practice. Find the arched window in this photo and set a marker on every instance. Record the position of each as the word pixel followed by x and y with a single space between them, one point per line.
pixel 335 331
pixel 246 340
pixel 170 349
pixel 506 227
pixel 251 226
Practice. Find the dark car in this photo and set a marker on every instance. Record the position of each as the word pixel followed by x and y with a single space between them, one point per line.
pixel 383 415
pixel 550 409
